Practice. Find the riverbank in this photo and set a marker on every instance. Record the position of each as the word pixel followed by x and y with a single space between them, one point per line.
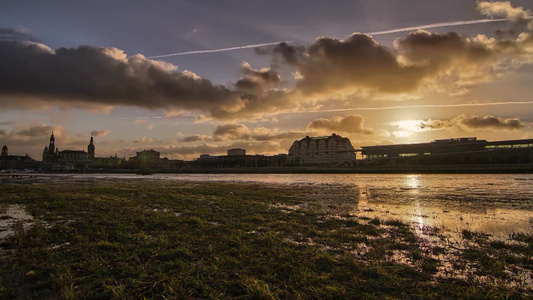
pixel 366 169
pixel 146 238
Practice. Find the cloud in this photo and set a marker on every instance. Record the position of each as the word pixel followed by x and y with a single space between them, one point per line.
pixel 195 138
pixel 100 133
pixel 16 34
pixel 293 54
pixel 257 81
pixel 506 10
pixel 36 76
pixel 40 131
pixel 89 76
pixel 467 123
pixel 348 124
pixel 422 59
pixel 231 132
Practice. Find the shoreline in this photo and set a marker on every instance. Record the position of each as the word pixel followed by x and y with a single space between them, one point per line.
pixel 427 169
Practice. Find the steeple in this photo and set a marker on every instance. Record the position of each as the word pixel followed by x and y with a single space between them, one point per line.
pixel 51 146
pixel 90 148
pixel 4 151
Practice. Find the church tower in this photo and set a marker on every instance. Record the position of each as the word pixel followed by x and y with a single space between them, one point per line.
pixel 4 151
pixel 90 148
pixel 50 152
pixel 51 146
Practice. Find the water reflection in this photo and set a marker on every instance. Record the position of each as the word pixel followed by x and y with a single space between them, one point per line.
pixel 497 204
pixel 412 181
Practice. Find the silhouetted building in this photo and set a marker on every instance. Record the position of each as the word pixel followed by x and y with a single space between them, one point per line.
pixel 468 150
pixel 90 149
pixel 322 150
pixel 15 161
pixel 50 153
pixel 151 159
pixel 237 158
pixel 236 152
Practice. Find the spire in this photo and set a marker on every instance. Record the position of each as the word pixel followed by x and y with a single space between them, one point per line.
pixel 90 147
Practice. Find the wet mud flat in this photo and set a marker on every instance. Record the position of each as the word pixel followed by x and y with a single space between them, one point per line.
pixel 135 238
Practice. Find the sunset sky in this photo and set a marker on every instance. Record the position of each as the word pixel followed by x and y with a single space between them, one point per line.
pixel 347 67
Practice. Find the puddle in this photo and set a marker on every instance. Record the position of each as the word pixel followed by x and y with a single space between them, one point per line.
pixel 13 213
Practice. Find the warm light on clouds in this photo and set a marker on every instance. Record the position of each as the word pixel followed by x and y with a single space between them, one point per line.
pixel 348 124
pixel 459 123
pixel 474 78
pixel 100 133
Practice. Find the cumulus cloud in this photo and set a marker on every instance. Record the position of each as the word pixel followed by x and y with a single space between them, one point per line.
pixel 348 124
pixel 231 132
pixel 35 74
pixel 506 10
pixel 100 133
pixel 422 59
pixel 443 62
pixel 463 122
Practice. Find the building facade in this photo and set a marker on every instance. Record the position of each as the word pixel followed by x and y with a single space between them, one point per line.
pixel 331 150
pixel 467 150
pixel 15 161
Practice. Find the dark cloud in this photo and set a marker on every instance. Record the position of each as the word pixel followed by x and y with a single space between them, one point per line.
pixel 472 122
pixel 292 54
pixel 16 34
pixel 257 81
pixel 91 76
pixel 448 62
pixel 102 76
pixel 37 131
pixel 348 124
pixel 195 138
pixel 99 133
pixel 231 132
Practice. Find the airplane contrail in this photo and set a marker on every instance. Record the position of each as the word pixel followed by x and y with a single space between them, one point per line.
pixel 412 106
pixel 217 50
pixel 435 25
pixel 365 109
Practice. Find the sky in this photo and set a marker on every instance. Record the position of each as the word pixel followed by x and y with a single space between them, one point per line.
pixel 200 77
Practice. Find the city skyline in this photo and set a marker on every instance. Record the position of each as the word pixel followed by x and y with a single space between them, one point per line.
pixel 259 76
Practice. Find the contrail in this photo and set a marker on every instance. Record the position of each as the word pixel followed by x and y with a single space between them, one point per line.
pixel 436 25
pixel 366 109
pixel 412 106
pixel 217 50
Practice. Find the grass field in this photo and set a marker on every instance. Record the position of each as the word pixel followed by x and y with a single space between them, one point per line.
pixel 180 240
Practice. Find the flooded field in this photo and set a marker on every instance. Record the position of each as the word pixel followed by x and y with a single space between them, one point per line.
pixel 267 236
pixel 497 204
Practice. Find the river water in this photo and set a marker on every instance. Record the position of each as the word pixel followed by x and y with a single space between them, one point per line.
pixel 497 204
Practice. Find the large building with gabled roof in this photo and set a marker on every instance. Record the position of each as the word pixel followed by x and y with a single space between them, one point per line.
pixel 331 150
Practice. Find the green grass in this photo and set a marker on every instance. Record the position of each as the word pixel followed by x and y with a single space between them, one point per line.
pixel 148 239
